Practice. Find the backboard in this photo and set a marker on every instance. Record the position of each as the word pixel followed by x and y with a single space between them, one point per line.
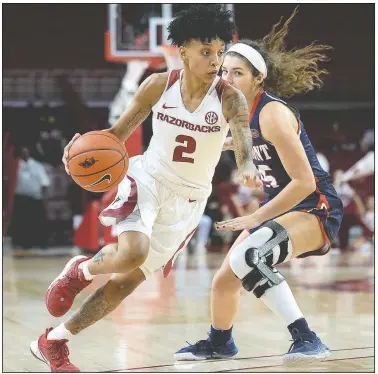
pixel 136 31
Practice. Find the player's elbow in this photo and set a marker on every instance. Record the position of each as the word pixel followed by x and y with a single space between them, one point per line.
pixel 309 186
pixel 305 186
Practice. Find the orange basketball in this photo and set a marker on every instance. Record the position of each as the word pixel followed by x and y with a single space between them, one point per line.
pixel 97 161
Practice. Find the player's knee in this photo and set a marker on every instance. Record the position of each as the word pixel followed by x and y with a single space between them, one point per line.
pixel 135 258
pixel 225 281
pixel 252 260
pixel 131 256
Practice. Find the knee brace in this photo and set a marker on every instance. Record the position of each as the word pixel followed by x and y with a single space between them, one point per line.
pixel 252 260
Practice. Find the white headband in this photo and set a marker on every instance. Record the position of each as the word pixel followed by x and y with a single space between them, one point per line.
pixel 252 56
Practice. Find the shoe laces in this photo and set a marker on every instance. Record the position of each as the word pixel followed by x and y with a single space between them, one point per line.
pixel 75 285
pixel 201 345
pixel 299 340
pixel 58 351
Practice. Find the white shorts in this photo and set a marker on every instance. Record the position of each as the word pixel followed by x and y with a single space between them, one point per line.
pixel 145 205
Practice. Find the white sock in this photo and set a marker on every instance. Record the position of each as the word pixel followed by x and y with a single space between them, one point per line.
pixel 280 300
pixel 84 267
pixel 60 332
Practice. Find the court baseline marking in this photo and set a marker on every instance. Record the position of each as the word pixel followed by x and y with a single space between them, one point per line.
pixel 272 366
pixel 235 359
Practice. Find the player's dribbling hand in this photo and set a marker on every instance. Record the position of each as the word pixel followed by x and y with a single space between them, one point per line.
pixel 65 152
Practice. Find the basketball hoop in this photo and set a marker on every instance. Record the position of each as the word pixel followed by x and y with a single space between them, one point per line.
pixel 144 35
pixel 171 59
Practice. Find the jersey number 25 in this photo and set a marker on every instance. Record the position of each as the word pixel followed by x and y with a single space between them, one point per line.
pixel 266 178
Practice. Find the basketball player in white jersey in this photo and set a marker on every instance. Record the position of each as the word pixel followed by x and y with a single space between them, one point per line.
pixel 161 200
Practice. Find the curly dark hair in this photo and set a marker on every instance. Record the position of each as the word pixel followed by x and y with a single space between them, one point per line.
pixel 289 72
pixel 203 22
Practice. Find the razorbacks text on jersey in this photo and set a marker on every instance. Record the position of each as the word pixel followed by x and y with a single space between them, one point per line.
pixel 186 146
pixel 323 202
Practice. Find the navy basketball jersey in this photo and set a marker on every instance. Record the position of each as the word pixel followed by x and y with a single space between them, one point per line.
pixel 266 158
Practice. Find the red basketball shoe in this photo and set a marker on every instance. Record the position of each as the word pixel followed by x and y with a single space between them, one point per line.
pixel 62 291
pixel 54 353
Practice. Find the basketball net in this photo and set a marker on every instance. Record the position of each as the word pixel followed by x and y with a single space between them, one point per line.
pixel 129 86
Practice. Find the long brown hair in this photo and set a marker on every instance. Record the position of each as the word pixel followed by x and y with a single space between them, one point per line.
pixel 290 72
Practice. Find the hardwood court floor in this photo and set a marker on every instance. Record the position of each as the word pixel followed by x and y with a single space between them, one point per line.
pixel 149 326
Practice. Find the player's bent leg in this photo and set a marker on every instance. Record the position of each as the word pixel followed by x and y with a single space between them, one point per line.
pixel 125 256
pixel 51 346
pixel 306 236
pixel 253 262
pixel 225 292
pixel 104 300
pixel 225 300
pixel 273 243
pixel 132 251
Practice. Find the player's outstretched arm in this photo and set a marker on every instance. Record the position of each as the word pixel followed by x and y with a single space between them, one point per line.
pixel 280 127
pixel 235 109
pixel 147 95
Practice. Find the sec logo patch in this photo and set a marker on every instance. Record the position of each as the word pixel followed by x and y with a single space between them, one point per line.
pixel 211 118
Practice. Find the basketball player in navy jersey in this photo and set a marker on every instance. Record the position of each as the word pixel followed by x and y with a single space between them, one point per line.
pixel 302 212
pixel 162 199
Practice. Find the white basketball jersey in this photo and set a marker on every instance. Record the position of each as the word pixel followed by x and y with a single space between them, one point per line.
pixel 186 146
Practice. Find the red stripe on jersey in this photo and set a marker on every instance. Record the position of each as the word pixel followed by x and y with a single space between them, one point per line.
pixel 127 207
pixel 257 100
pixel 169 264
pixel 174 76
pixel 322 202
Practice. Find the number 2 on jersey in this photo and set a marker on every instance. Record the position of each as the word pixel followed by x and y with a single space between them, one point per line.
pixel 267 179
pixel 189 147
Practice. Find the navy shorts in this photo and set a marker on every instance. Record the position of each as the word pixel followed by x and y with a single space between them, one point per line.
pixel 327 207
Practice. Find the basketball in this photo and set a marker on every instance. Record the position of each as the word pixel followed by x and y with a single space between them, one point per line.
pixel 97 161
